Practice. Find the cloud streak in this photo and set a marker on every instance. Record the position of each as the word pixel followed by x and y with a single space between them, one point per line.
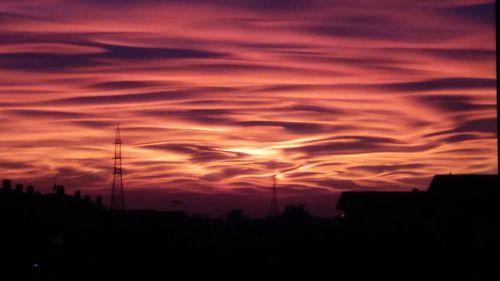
pixel 214 97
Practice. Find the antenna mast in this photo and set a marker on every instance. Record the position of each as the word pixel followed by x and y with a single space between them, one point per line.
pixel 274 200
pixel 117 194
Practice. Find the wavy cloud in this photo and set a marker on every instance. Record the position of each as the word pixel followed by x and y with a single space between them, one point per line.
pixel 215 97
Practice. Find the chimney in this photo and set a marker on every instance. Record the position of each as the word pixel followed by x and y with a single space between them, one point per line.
pixel 7 184
pixel 60 189
pixel 78 195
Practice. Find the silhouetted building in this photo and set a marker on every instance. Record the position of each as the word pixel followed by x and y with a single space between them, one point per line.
pixel 87 198
pixel 450 224
pixel 7 184
pixel 60 189
pixel 296 212
pixel 19 188
pixel 465 196
pixel 375 204
pixel 448 197
pixel 78 195
pixel 235 215
pixel 30 190
pixel 98 201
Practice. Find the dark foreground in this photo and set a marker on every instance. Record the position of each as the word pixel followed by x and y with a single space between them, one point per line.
pixel 59 237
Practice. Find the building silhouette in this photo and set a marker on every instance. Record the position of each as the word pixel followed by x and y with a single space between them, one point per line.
pixel 450 197
pixel 383 235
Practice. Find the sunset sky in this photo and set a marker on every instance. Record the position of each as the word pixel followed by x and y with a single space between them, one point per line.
pixel 216 96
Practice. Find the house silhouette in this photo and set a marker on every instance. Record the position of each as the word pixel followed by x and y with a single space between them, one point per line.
pixel 449 197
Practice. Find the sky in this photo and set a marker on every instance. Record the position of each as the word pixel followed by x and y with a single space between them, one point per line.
pixel 215 96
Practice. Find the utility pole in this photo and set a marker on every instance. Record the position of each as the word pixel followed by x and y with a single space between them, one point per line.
pixel 274 199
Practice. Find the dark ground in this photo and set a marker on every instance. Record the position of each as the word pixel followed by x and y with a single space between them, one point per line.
pixel 57 237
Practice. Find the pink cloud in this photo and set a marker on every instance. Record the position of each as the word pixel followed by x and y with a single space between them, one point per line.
pixel 214 97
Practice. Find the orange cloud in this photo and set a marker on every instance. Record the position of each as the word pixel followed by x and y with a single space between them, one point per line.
pixel 215 97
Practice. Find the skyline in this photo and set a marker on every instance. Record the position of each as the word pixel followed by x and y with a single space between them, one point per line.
pixel 215 97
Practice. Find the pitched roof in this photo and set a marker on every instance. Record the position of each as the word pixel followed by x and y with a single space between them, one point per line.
pixel 469 185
